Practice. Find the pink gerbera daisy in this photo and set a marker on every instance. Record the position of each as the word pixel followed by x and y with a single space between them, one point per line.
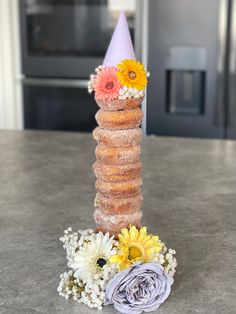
pixel 106 84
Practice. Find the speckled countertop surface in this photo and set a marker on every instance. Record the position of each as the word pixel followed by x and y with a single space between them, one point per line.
pixel 46 185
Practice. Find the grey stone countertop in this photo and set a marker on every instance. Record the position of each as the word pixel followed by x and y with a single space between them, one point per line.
pixel 46 185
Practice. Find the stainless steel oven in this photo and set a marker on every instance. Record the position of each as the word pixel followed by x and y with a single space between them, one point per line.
pixel 62 43
pixel 58 104
pixel 68 38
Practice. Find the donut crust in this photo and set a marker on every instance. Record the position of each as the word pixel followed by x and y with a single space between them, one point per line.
pixel 119 189
pixel 116 155
pixel 114 223
pixel 118 138
pixel 119 104
pixel 119 120
pixel 118 205
pixel 117 173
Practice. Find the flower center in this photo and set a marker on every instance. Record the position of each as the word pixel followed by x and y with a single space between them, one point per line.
pixel 134 252
pixel 101 262
pixel 109 85
pixel 132 75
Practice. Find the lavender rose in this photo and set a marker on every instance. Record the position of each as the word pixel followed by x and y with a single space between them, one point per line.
pixel 142 287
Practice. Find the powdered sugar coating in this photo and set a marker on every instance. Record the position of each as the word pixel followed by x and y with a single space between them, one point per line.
pixel 119 189
pixel 118 138
pixel 119 120
pixel 114 223
pixel 114 206
pixel 116 155
pixel 118 167
pixel 118 104
pixel 117 173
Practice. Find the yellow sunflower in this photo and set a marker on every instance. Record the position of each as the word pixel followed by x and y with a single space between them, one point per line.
pixel 134 246
pixel 132 74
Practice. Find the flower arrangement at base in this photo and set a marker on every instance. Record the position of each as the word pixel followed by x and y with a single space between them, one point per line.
pixel 134 273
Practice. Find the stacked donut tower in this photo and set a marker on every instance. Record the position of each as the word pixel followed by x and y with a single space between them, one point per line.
pixel 119 91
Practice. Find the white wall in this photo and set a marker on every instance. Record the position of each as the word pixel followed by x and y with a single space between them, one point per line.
pixel 10 86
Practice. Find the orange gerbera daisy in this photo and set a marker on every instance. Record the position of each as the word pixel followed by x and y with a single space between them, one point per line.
pixel 132 74
pixel 106 84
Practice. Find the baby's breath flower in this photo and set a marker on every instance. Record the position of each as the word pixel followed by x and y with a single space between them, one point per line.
pixel 99 68
pixel 129 92
pixel 91 83
pixel 69 286
pixel 167 259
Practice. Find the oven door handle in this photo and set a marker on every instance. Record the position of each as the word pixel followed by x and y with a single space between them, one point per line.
pixel 48 82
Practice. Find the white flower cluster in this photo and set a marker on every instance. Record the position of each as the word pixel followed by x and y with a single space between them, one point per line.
pixel 147 73
pixel 129 92
pixel 73 241
pixel 99 68
pixel 86 281
pixel 94 291
pixel 167 259
pixel 91 82
pixel 70 286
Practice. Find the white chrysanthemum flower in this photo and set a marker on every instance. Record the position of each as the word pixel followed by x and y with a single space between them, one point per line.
pixel 88 252
pixel 89 260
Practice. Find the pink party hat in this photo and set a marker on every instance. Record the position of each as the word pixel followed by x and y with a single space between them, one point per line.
pixel 120 46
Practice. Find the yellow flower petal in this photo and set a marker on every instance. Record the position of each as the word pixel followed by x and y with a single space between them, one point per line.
pixel 136 245
pixel 155 238
pixel 150 243
pixel 147 238
pixel 158 248
pixel 133 232
pixel 132 74
pixel 150 253
pixel 125 232
pixel 124 264
pixel 122 239
pixel 115 259
pixel 142 234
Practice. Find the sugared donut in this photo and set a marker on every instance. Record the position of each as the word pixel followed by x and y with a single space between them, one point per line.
pixel 118 104
pixel 118 205
pixel 119 120
pixel 114 223
pixel 116 155
pixel 116 173
pixel 118 138
pixel 119 189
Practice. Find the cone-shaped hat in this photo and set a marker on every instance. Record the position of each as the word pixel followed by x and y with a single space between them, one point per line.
pixel 121 46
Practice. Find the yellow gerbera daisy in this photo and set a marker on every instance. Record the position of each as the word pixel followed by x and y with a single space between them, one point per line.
pixel 132 74
pixel 135 245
